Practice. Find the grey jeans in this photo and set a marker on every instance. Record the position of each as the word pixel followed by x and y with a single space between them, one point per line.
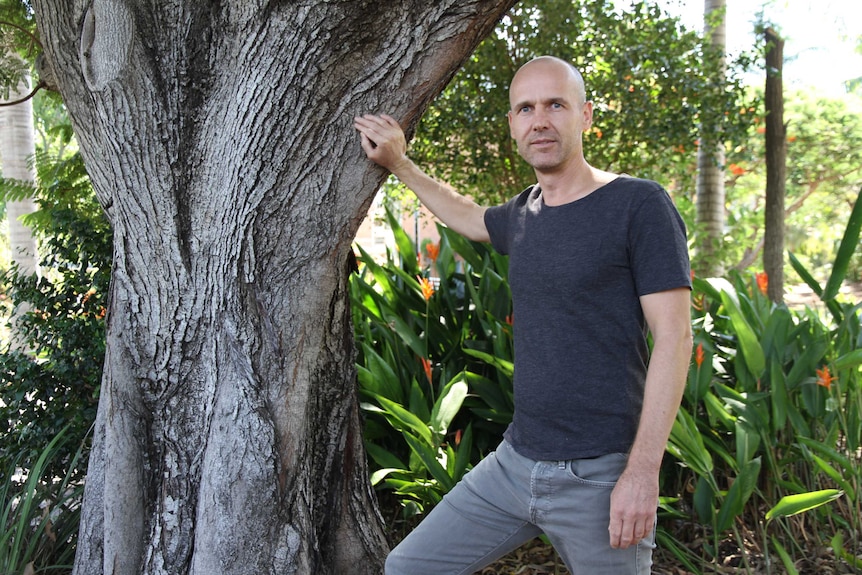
pixel 508 499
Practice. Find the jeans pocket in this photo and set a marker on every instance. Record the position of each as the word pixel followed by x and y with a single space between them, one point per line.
pixel 602 471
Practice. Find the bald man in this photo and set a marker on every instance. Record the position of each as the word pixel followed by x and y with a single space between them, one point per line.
pixel 596 261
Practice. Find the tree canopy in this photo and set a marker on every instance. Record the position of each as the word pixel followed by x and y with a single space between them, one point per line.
pixel 652 83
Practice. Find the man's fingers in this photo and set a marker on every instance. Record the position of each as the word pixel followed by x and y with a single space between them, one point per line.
pixel 624 533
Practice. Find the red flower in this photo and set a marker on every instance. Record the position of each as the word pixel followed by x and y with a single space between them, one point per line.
pixel 510 319
pixel 698 355
pixel 824 378
pixel 736 169
pixel 426 287
pixel 433 250
pixel 762 281
pixel 426 365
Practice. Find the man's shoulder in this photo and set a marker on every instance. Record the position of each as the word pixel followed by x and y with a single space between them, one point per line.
pixel 632 183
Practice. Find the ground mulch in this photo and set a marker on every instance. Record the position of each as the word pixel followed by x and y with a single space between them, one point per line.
pixel 539 558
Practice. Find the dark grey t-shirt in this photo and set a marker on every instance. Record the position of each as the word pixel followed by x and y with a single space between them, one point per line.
pixel 576 272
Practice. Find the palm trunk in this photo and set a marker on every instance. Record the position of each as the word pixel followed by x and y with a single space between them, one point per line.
pixel 710 165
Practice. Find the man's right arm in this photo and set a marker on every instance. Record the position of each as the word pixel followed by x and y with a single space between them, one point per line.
pixel 384 144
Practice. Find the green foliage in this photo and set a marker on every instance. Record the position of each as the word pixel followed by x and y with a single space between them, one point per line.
pixel 766 442
pixel 434 366
pixel 39 513
pixel 19 44
pixel 51 370
pixel 771 419
pixel 652 83
pixel 824 174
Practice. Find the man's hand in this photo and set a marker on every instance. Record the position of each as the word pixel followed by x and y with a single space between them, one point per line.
pixel 633 507
pixel 384 144
pixel 383 140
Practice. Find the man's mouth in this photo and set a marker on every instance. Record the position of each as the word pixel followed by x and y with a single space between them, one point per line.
pixel 541 142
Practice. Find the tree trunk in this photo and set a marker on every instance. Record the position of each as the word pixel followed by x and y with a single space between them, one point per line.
pixel 710 164
pixel 219 139
pixel 776 167
pixel 17 148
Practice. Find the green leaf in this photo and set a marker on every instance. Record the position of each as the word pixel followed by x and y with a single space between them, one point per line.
pixel 404 244
pixel 462 456
pixel 429 460
pixel 848 360
pixel 748 342
pixel 686 444
pixel 845 252
pixel 507 367
pixel 382 457
pixel 378 377
pixel 801 502
pixel 738 494
pixel 402 418
pixel 786 560
pixel 448 404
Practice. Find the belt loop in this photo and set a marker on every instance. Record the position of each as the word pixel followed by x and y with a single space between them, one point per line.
pixel 561 464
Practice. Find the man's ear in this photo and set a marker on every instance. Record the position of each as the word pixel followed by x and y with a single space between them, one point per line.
pixel 509 118
pixel 588 115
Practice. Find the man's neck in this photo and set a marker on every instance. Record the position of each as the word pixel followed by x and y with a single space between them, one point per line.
pixel 565 186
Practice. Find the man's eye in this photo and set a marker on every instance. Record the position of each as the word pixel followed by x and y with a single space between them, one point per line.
pixel 525 109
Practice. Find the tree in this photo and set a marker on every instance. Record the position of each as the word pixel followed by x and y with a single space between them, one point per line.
pixel 710 158
pixel 219 140
pixel 653 84
pixel 17 148
pixel 776 167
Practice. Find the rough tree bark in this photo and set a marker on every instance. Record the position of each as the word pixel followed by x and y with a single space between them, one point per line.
pixel 219 139
pixel 710 200
pixel 776 167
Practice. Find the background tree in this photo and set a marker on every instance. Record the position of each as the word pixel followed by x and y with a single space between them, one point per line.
pixel 776 166
pixel 824 166
pixel 17 149
pixel 17 146
pixel 653 83
pixel 710 157
pixel 219 141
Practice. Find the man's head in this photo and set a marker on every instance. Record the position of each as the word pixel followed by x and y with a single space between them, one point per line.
pixel 563 67
pixel 549 112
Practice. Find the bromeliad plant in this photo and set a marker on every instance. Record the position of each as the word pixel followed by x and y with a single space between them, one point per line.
pixel 434 362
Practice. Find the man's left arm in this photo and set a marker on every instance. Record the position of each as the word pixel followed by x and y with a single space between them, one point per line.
pixel 634 499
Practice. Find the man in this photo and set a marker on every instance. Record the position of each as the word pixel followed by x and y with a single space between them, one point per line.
pixel 595 258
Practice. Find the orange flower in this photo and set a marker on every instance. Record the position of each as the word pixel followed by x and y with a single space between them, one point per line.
pixel 426 365
pixel 736 169
pixel 426 287
pixel 825 378
pixel 598 133
pixel 761 129
pixel 762 281
pixel 510 319
pixel 698 355
pixel 433 250
pixel 697 302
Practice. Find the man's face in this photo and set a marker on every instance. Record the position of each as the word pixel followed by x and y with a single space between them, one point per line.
pixel 548 115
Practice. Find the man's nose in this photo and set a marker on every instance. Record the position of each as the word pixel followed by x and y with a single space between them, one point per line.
pixel 540 119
